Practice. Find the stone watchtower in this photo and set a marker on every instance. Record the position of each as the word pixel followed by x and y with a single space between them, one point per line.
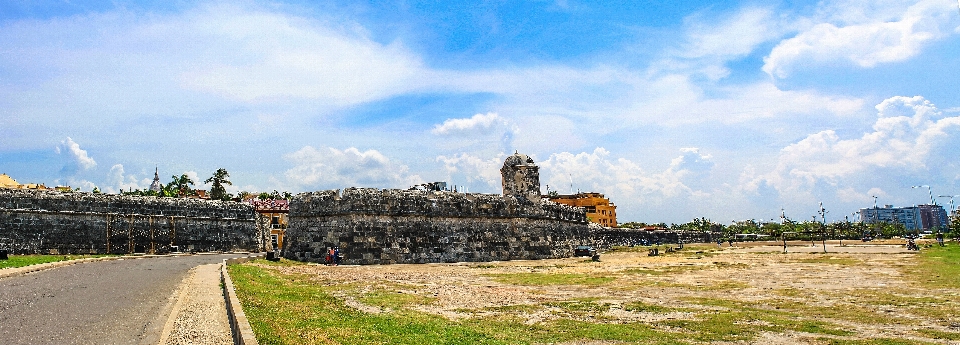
pixel 521 177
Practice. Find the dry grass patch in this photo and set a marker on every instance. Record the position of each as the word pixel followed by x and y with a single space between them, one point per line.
pixel 873 296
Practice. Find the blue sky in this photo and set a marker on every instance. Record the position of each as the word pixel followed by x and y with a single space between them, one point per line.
pixel 722 109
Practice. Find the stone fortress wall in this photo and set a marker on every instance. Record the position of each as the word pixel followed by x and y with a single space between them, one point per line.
pixel 387 226
pixel 370 226
pixel 606 238
pixel 38 221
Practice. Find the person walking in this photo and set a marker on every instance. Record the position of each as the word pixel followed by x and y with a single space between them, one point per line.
pixel 336 256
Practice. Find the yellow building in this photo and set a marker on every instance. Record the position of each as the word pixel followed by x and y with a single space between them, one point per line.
pixel 599 209
pixel 8 182
pixel 273 217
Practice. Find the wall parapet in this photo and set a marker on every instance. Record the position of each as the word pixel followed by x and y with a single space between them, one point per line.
pixel 398 202
pixel 81 202
pixel 38 221
pixel 389 226
pixel 612 237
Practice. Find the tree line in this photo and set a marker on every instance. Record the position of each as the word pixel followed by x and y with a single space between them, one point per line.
pixel 182 186
pixel 799 230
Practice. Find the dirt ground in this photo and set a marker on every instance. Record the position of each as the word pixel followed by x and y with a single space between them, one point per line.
pixel 859 287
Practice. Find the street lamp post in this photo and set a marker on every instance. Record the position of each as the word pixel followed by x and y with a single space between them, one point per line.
pixel 951 201
pixel 823 226
pixel 846 220
pixel 859 219
pixel 930 191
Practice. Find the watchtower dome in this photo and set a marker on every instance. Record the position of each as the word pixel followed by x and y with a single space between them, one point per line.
pixel 521 177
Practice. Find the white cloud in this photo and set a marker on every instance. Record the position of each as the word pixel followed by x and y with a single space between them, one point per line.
pixel 710 42
pixel 197 181
pixel 278 56
pixel 692 161
pixel 676 101
pixel 909 138
pixel 84 185
pixel 735 36
pixel 864 44
pixel 333 168
pixel 476 123
pixel 597 172
pixel 481 175
pixel 118 181
pixel 78 159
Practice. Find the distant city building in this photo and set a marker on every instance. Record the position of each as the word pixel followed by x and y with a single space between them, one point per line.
pixel 599 209
pixel 431 186
pixel 920 217
pixel 933 216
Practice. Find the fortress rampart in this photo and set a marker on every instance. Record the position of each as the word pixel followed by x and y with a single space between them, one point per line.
pixel 370 226
pixel 385 226
pixel 611 237
pixel 37 221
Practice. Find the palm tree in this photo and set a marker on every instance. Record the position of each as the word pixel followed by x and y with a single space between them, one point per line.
pixel 219 178
pixel 180 185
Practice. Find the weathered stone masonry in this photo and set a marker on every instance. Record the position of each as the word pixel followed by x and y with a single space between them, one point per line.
pixel 611 237
pixel 374 226
pixel 33 221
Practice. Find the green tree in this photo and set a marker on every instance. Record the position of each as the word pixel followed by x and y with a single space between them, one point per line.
pixel 954 229
pixel 890 230
pixel 219 178
pixel 180 186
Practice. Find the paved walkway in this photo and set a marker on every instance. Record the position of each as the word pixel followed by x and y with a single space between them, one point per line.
pixel 199 315
pixel 107 302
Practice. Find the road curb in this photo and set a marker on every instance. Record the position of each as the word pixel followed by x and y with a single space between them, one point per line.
pixel 239 325
pixel 19 271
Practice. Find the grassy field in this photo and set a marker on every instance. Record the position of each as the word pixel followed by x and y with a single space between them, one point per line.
pixel 696 296
pixel 27 260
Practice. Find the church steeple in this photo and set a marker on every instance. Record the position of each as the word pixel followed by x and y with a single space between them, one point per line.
pixel 155 186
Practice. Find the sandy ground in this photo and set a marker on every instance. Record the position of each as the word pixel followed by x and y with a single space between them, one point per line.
pixel 752 273
pixel 199 315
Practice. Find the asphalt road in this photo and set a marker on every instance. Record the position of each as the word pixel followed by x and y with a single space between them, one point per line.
pixel 106 302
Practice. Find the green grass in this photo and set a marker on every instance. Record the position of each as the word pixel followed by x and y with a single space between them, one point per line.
pixel 939 267
pixel 27 260
pixel 936 334
pixel 580 308
pixel 542 279
pixel 513 308
pixel 292 309
pixel 299 309
pixel 671 269
pixel 650 308
pixel 393 299
pixel 737 321
pixel 877 341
